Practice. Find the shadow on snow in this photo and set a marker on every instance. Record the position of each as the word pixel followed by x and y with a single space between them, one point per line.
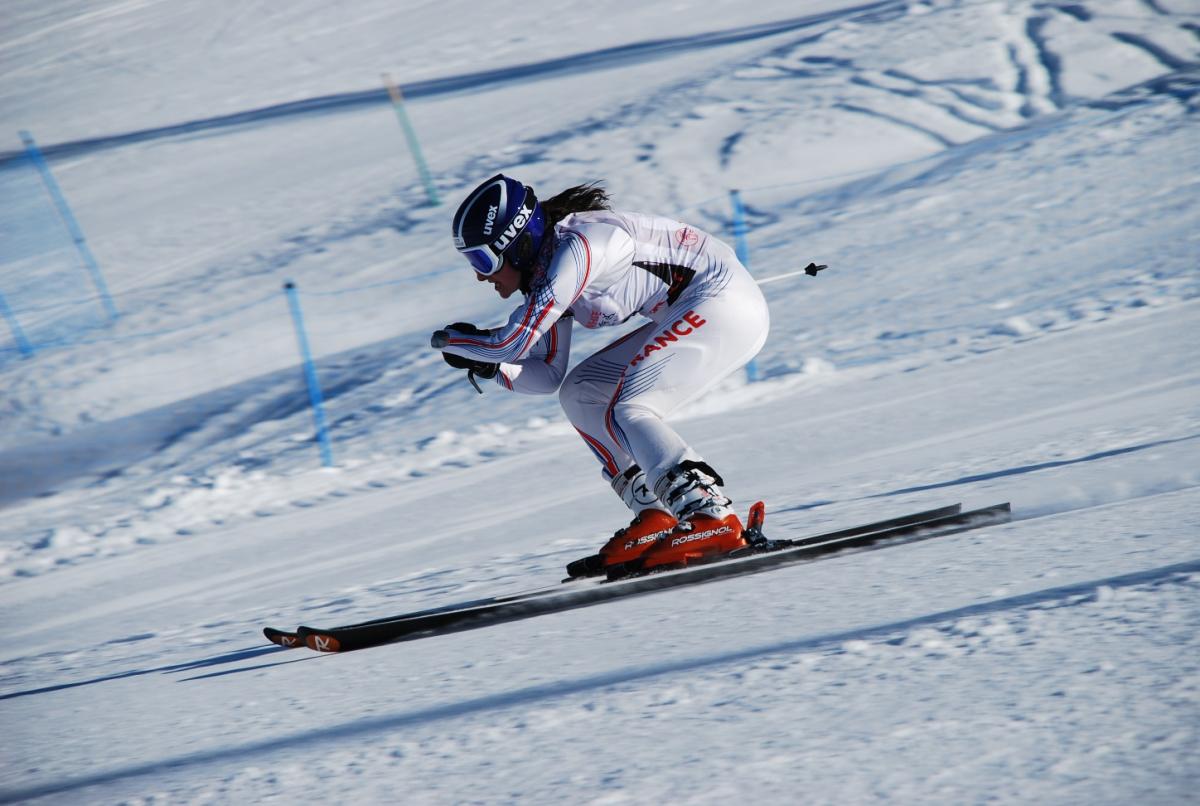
pixel 230 657
pixel 530 695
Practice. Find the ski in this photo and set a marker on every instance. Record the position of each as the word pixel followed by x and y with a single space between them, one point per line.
pixel 285 639
pixel 290 639
pixel 773 554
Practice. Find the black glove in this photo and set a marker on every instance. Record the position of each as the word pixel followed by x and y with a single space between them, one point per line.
pixel 469 329
pixel 441 338
pixel 482 369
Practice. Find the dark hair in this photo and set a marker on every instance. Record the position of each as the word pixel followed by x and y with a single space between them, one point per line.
pixel 577 199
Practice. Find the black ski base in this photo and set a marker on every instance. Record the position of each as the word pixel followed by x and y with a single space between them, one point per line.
pixel 761 555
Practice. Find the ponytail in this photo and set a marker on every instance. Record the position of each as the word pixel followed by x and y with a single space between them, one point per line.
pixel 577 199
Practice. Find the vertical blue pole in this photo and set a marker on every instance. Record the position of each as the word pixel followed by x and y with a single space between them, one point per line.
pixel 68 219
pixel 743 255
pixel 739 228
pixel 19 335
pixel 310 375
pixel 410 134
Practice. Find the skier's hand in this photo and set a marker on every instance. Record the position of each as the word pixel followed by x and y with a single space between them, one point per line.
pixel 469 329
pixel 441 338
pixel 475 369
pixel 483 369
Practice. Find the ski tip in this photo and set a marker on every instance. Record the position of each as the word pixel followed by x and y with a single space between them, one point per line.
pixel 322 642
pixel 283 638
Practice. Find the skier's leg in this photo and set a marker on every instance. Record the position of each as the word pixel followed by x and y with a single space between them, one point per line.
pixel 704 338
pixel 585 396
pixel 702 341
pixel 586 393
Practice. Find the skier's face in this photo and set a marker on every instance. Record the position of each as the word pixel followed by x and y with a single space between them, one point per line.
pixel 506 280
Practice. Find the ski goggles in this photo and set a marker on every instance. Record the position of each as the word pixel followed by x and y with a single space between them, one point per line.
pixel 518 242
pixel 483 259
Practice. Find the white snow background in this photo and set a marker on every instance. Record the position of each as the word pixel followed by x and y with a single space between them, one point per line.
pixel 1008 197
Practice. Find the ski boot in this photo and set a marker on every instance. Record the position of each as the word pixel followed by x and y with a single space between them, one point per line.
pixel 651 522
pixel 707 527
pixel 646 529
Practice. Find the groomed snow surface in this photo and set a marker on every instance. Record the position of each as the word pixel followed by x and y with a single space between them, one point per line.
pixel 1008 195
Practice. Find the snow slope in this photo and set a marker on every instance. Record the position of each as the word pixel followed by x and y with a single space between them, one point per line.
pixel 1006 193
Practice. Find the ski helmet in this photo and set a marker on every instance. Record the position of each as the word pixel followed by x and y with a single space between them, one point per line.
pixel 500 219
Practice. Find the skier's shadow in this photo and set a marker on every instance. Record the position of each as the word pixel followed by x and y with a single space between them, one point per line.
pixel 218 660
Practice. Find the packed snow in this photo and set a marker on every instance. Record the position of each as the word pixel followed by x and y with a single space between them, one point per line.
pixel 1008 198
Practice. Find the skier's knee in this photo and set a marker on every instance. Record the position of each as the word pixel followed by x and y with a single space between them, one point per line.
pixel 628 413
pixel 568 398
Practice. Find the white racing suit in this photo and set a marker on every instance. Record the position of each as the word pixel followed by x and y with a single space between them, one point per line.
pixel 707 319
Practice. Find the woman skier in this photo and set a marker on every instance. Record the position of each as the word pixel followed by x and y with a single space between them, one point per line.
pixel 576 260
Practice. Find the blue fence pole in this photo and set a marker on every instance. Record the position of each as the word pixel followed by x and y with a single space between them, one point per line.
pixel 739 228
pixel 18 335
pixel 743 255
pixel 310 375
pixel 410 134
pixel 68 219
